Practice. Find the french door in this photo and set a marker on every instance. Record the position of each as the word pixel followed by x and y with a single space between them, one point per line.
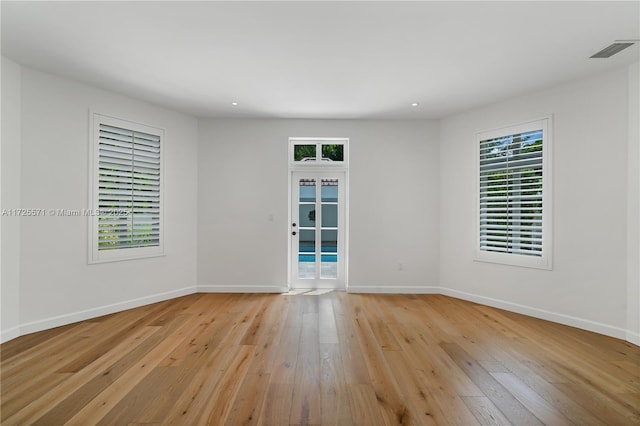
pixel 318 230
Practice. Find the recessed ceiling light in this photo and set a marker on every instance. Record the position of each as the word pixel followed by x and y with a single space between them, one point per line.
pixel 415 104
pixel 234 103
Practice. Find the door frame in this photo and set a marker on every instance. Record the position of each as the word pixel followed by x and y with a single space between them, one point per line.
pixel 317 168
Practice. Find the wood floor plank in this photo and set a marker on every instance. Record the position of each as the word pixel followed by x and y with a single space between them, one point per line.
pixel 277 405
pixel 485 411
pixel 334 395
pixel 112 332
pixel 558 363
pixel 630 367
pixel 417 395
pixel 429 357
pixel 522 354
pixel 286 358
pixel 558 350
pixel 70 337
pixel 390 401
pixel 364 405
pixel 11 407
pixel 220 402
pixel 269 336
pixel 600 405
pixel 202 358
pixel 204 337
pixel 449 402
pixel 257 322
pixel 21 346
pixel 328 332
pixel 305 407
pixel 133 406
pixel 513 409
pixel 189 406
pixel 550 392
pixel 445 311
pixel 247 406
pixel 445 382
pixel 52 401
pixel 324 358
pixel 379 321
pixel 534 402
pixel 102 404
pixel 353 365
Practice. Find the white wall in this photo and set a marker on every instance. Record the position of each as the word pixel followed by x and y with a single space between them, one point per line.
pixel 393 199
pixel 411 201
pixel 633 208
pixel 57 285
pixel 10 258
pixel 587 286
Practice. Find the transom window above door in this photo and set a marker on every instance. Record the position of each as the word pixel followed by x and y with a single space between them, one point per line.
pixel 318 151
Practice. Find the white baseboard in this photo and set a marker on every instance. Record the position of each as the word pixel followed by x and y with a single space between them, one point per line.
pixel 44 324
pixel 242 289
pixel 393 289
pixel 569 320
pixel 9 334
pixel 633 337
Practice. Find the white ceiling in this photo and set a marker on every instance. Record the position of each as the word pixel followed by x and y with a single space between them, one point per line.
pixel 319 59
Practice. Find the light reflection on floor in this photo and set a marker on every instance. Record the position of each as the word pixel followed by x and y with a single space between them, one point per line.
pixel 308 292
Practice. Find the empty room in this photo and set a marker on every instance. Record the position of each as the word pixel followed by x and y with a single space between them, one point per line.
pixel 320 213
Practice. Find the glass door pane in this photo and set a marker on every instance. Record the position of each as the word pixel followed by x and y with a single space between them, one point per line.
pixel 307 228
pixel 329 229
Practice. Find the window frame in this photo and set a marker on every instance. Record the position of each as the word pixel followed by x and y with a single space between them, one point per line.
pixel 318 142
pixel 102 256
pixel 515 259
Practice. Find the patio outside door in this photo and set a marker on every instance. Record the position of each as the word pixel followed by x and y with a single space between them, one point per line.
pixel 317 230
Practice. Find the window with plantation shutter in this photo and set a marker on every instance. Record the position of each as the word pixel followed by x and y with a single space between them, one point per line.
pixel 514 210
pixel 126 216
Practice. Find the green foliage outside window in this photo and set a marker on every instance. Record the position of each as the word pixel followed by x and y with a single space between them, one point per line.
pixel 333 152
pixel 301 152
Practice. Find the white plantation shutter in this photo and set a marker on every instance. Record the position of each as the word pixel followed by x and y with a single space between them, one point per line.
pixel 128 190
pixel 512 199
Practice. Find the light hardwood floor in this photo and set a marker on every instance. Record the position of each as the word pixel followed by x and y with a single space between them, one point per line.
pixel 331 359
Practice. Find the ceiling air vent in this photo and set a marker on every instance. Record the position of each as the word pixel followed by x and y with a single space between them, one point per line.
pixel 612 49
